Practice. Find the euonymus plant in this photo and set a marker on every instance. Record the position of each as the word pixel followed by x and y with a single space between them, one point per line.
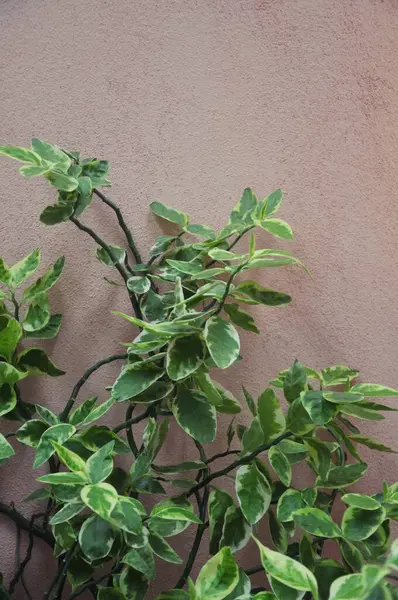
pixel 110 527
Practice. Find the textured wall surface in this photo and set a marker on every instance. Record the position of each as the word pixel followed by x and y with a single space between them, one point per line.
pixel 191 101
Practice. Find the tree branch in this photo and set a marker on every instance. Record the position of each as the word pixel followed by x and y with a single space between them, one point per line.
pixel 122 223
pixel 124 274
pixel 69 405
pixel 24 524
pixel 237 463
pixel 132 421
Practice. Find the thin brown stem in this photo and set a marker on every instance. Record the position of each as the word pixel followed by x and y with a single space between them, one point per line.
pixel 237 463
pixel 122 223
pixel 72 399
pixel 25 524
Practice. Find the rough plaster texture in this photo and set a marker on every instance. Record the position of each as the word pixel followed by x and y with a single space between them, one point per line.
pixel 191 101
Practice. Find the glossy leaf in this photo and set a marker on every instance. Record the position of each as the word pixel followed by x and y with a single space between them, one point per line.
pixel 169 214
pixel 21 154
pixel 57 433
pixel 162 549
pixel 101 498
pixel 317 522
pixel 134 380
pixel 9 338
pixel 289 502
pixel 374 390
pixel 257 294
pixel 253 492
pixel 219 502
pixel 343 476
pixel 36 362
pixel 240 317
pixel 320 410
pixel 184 357
pixel 24 268
pixel 359 524
pixel 30 433
pixel 141 559
pixel 361 501
pixel 287 571
pixel 281 465
pixel 96 537
pixel 278 532
pixel 6 450
pixel 270 414
pixel 277 227
pixel 195 415
pixel 236 531
pixel 222 341
pixel 294 381
pixel 218 577
pixel 45 282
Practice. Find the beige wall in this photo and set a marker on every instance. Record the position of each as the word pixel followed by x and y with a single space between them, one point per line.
pixel 191 101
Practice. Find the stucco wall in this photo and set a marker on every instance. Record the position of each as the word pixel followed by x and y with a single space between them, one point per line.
pixel 191 101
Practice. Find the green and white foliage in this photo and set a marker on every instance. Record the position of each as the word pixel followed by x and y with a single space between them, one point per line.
pixel 111 501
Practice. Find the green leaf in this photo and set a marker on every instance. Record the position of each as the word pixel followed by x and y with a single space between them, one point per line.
pixel 361 501
pixel 316 522
pixel 63 478
pixel 184 467
pixel 253 437
pixel 70 459
pixel 349 587
pixel 67 512
pixel 222 341
pixel 281 591
pixel 96 538
pixel 338 375
pixel 254 293
pixel 99 466
pixel 30 433
pixel 85 188
pixel 281 465
pixel 186 267
pixel 218 577
pixel 8 399
pixel 229 404
pixel 321 456
pixel 295 381
pixel 253 492
pixel 109 593
pixel 242 589
pixel 361 412
pixel 298 420
pixel 250 401
pixel 208 387
pixel 81 412
pixel 351 555
pixel 6 450
pixel 5 272
pixel 49 331
pixel 359 524
pixel 57 433
pixel 105 259
pixel 162 549
pixel 101 498
pixel 320 410
pixel 278 228
pixel 342 397
pixel 201 231
pixel 126 515
pixel 34 170
pixel 184 356
pixel 45 282
pixel 142 560
pixel 289 502
pixel 371 443
pixel 97 436
pixel 9 338
pixel 38 314
pixel 342 476
pixel 56 213
pixel 79 572
pixel 240 317
pixel 133 584
pixel 9 374
pixel 288 571
pixel 51 153
pixel 169 214
pixel 134 380
pixel 21 154
pixel 241 213
pixel 373 390
pixel 47 415
pixel 278 532
pixel 223 255
pixel 271 204
pixel 157 391
pixel 236 530
pixel 63 183
pixel 36 362
pixel 24 268
pixel 207 274
pixel 219 502
pixel 195 415
pixel 272 419
pixel 99 411
pixel 139 285
pixel 175 512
